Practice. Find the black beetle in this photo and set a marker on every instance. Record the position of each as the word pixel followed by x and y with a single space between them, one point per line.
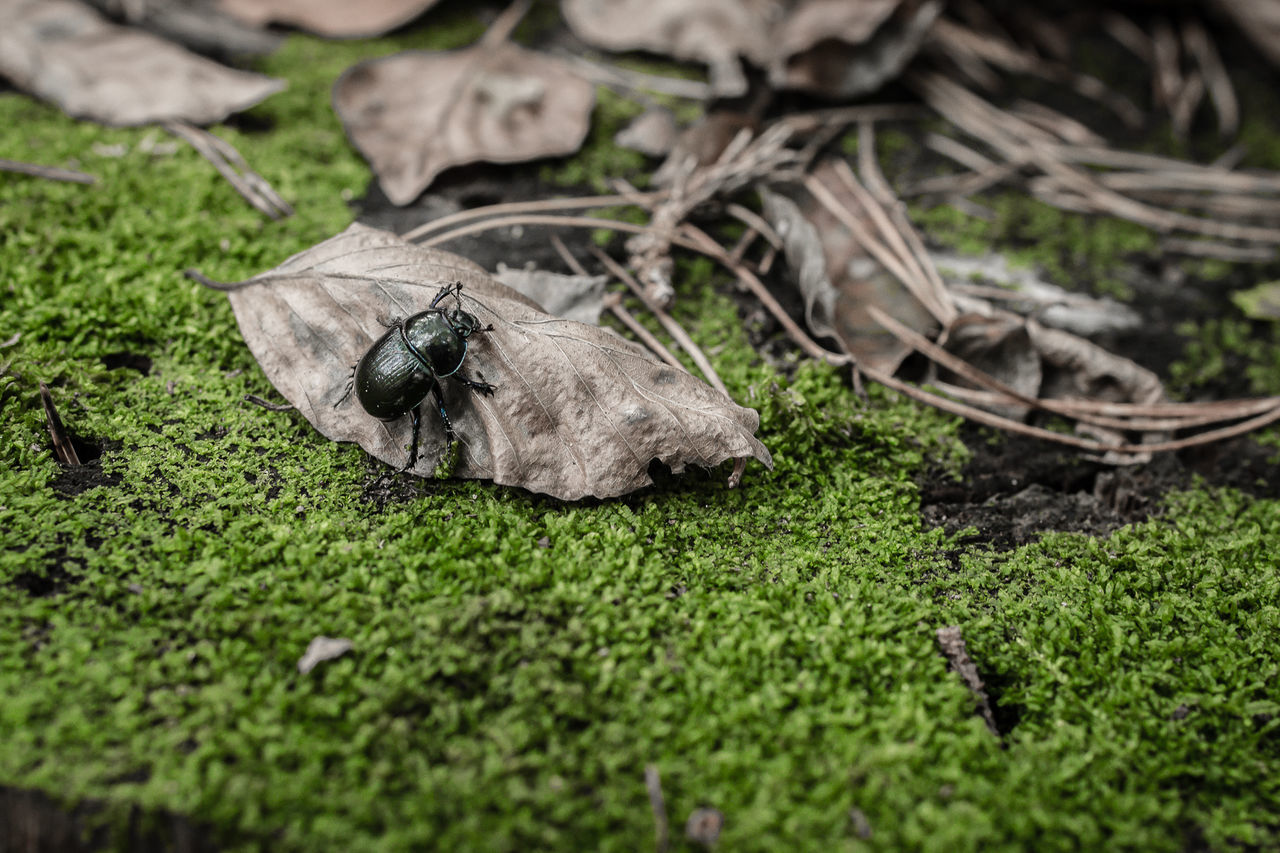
pixel 408 362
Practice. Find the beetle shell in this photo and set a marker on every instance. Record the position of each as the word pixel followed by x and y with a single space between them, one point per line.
pixel 390 380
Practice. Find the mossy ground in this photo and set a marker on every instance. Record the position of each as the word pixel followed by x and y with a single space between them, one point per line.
pixel 770 649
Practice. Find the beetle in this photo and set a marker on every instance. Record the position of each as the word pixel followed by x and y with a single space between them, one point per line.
pixel 406 364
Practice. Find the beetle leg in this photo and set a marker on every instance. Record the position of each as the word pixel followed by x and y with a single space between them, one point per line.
pixel 482 387
pixel 445 291
pixel 413 445
pixel 444 416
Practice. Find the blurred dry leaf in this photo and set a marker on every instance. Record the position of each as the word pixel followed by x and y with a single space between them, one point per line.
pixel 332 18
pixel 836 48
pixel 65 52
pixel 572 297
pixel 578 410
pixel 839 280
pixel 198 24
pixel 653 132
pixel 713 32
pixel 417 113
pixel 840 49
pixel 1026 292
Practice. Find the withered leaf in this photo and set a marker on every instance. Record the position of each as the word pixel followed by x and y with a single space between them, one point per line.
pixel 65 52
pixel 713 32
pixel 578 411
pixel 572 297
pixel 837 48
pixel 839 281
pixel 840 49
pixel 197 24
pixel 417 113
pixel 332 18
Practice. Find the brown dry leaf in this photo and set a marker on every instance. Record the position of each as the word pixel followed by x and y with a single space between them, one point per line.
pixel 714 32
pixel 197 24
pixel 572 297
pixel 417 113
pixel 332 18
pixel 578 411
pixel 839 280
pixel 836 48
pixel 840 49
pixel 63 51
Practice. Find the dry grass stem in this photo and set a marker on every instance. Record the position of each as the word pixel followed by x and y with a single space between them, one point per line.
pixel 668 322
pixel 51 173
pixel 702 242
pixel 747 159
pixel 522 207
pixel 613 302
pixel 227 160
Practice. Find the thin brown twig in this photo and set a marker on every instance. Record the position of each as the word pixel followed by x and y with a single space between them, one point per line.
pixel 1223 95
pixel 252 187
pixel 668 322
pixel 902 227
pixel 661 829
pixel 539 206
pixel 50 173
pixel 986 418
pixel 614 303
pixel 62 445
pixel 700 241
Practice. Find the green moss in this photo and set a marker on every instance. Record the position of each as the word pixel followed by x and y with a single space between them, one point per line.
pixel 769 648
pixel 1077 252
pixel 600 159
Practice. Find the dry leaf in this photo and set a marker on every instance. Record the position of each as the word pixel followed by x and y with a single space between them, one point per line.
pixel 713 32
pixel 840 49
pixel 417 113
pixel 1027 293
pixel 332 18
pixel 578 411
pixel 572 297
pixel 838 281
pixel 197 24
pixel 837 48
pixel 652 133
pixel 63 51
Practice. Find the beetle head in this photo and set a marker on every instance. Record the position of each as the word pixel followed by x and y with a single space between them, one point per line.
pixel 462 322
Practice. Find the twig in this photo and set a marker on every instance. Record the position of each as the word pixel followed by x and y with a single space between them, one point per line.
pixel 951 642
pixel 62 446
pixel 251 186
pixel 268 405
pixel 609 74
pixel 668 322
pixel 986 418
pixel 702 242
pixel 539 206
pixel 52 173
pixel 661 829
pixel 1215 249
pixel 614 303
pixel 1197 42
